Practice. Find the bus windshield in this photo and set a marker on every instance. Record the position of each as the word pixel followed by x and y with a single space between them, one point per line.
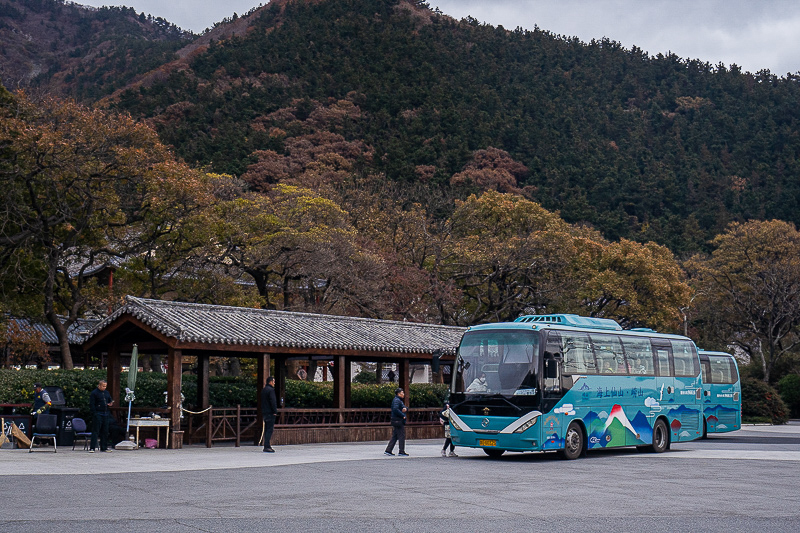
pixel 497 362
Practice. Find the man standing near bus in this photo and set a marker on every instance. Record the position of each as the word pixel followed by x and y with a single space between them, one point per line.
pixel 398 425
pixel 100 403
pixel 269 409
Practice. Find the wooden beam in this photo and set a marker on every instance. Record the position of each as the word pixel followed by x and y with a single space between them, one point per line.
pixel 262 373
pixel 113 373
pixel 338 382
pixel 348 382
pixel 280 379
pixel 202 381
pixel 405 380
pixel 174 377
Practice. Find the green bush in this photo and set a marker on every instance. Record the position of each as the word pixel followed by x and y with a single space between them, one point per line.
pixel 16 386
pixel 789 387
pixel 366 377
pixel 308 394
pixel 762 403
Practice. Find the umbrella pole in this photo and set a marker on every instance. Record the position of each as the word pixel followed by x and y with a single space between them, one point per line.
pixel 128 427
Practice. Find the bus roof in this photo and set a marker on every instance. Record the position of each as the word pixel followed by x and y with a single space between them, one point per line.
pixel 539 326
pixel 573 320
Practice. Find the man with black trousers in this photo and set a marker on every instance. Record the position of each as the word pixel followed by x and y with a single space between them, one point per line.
pixel 398 424
pixel 269 410
pixel 99 404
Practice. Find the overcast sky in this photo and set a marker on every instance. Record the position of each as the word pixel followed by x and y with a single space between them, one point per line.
pixel 754 34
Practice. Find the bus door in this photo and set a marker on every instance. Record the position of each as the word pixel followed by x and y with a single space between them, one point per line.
pixel 664 398
pixel 552 392
pixel 688 388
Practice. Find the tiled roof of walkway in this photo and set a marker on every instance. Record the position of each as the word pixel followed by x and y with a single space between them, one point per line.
pixel 216 324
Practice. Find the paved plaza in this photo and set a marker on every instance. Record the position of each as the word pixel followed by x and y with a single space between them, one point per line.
pixel 741 481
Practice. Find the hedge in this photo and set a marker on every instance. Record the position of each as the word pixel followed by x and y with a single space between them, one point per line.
pixel 16 386
pixel 789 387
pixel 762 403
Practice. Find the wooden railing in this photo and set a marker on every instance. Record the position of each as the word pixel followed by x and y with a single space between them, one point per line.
pixel 242 423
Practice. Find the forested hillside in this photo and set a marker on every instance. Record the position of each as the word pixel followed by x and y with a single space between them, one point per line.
pixel 86 53
pixel 377 158
pixel 648 148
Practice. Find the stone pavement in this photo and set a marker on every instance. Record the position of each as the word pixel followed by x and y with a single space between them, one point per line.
pixel 198 458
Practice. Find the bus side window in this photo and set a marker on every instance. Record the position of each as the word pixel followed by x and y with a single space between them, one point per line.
pixel 662 360
pixel 640 355
pixel 577 353
pixel 685 358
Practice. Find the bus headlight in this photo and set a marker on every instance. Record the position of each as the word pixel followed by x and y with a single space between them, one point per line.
pixel 526 425
pixel 454 424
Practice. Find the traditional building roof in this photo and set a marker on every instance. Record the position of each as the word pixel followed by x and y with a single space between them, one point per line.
pixel 216 324
pixel 76 332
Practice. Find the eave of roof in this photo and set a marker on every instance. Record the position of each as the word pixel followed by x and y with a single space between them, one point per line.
pixel 223 325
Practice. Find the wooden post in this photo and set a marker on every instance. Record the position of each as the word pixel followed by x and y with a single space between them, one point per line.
pixel 262 373
pixel 238 425
pixel 338 384
pixel 174 377
pixel 209 425
pixel 404 380
pixel 348 382
pixel 280 380
pixel 202 381
pixel 378 371
pixel 113 372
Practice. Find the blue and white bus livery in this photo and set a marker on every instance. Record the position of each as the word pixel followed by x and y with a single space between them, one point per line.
pixel 569 384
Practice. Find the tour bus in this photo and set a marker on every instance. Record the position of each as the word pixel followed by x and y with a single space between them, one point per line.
pixel 722 393
pixel 569 384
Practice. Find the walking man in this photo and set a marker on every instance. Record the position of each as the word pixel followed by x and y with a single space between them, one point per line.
pixel 99 404
pixel 398 424
pixel 269 409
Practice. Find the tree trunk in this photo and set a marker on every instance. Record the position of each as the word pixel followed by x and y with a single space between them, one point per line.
pixel 234 366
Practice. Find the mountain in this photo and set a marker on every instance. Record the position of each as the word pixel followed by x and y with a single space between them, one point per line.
pixel 83 52
pixel 643 147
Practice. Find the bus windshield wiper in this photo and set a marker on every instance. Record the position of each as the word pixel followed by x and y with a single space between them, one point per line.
pixel 509 402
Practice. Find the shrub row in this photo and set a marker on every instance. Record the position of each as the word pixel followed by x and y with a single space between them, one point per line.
pixel 762 403
pixel 16 386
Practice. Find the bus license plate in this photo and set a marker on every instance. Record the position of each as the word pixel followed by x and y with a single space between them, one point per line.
pixel 487 443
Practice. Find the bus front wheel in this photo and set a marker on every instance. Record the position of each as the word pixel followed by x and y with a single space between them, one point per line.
pixel 493 452
pixel 573 442
pixel 660 437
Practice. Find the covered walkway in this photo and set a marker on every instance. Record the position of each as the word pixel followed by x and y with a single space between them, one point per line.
pixel 271 337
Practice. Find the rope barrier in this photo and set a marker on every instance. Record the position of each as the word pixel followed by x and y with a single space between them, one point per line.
pixel 195 413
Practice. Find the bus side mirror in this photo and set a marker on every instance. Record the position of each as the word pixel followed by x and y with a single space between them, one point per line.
pixel 550 365
pixel 435 360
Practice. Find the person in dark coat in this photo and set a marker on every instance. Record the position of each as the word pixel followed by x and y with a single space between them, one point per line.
pixel 100 403
pixel 269 409
pixel 398 424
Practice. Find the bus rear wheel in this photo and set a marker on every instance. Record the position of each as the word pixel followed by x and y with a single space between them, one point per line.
pixel 573 442
pixel 660 437
pixel 493 452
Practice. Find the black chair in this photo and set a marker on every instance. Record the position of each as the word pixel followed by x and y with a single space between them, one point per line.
pixel 46 427
pixel 79 432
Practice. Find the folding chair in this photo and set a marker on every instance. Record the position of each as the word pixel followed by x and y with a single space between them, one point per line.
pixel 79 430
pixel 46 426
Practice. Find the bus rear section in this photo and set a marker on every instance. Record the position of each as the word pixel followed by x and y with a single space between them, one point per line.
pixel 722 393
pixel 570 384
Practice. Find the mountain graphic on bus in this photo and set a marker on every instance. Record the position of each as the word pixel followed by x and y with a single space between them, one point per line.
pixel 616 429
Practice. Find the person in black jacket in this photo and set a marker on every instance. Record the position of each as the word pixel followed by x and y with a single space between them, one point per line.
pixel 398 424
pixel 269 409
pixel 99 404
